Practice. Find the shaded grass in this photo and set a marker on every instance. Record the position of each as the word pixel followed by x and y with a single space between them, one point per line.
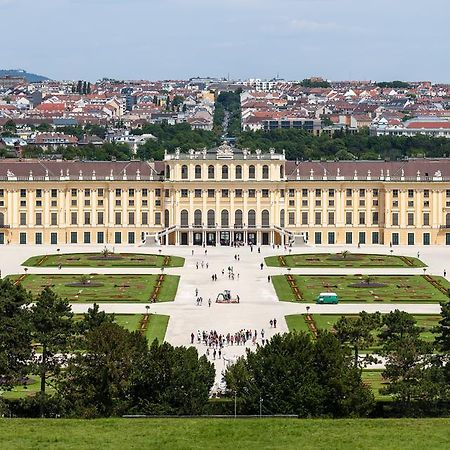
pixel 355 260
pixel 157 327
pixel 225 433
pixel 398 288
pixel 85 260
pixel 114 288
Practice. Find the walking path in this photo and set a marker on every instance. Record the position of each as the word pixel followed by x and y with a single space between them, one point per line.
pixel 258 301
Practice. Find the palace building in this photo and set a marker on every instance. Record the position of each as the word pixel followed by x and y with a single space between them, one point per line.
pixel 224 196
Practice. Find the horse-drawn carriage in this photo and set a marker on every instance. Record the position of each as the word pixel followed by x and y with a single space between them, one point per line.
pixel 225 297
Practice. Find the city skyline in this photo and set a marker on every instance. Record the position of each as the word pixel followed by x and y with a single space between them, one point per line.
pixel 178 39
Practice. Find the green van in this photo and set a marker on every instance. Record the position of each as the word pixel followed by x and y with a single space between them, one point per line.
pixel 327 298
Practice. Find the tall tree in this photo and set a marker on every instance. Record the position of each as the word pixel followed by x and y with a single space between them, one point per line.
pixel 93 318
pixel 97 379
pixel 53 329
pixel 357 332
pixel 15 334
pixel 442 331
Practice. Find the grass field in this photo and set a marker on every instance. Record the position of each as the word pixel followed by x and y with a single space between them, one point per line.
pixel 157 327
pixel 374 379
pixel 111 288
pixel 397 288
pixel 348 259
pixel 98 260
pixel 296 322
pixel 225 434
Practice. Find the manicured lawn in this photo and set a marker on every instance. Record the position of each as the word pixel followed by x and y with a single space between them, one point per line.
pixel 110 288
pixel 354 260
pixel 157 327
pixel 296 322
pixel 128 321
pixel 354 288
pixel 225 434
pixel 374 379
pixel 98 260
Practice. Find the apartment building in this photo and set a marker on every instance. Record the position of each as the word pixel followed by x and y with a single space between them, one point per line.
pixel 223 196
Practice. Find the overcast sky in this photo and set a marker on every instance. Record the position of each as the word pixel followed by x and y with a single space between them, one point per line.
pixel 162 39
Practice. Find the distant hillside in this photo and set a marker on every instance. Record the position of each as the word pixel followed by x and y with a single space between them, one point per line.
pixel 30 77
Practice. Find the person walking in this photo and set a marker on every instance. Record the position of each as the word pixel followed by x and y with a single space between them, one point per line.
pixel 238 299
pixel 271 323
pixel 214 354
pixel 268 278
pixel 220 353
pixel 196 292
pixel 209 302
pixel 192 338
pixel 274 323
pixel 262 265
pixel 445 273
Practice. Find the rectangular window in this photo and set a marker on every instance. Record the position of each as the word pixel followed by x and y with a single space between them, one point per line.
pixel 304 192
pixel 131 238
pixel 87 237
pixel 265 193
pixel 130 202
pixel 197 193
pixel 410 193
pixel 362 237
pixel 38 193
pixel 362 192
pixel 38 218
pixel 410 219
pixel 144 218
pixel 375 218
pixel 349 237
pixel 225 193
pixel 330 192
pixel 348 192
pixel 184 193
pixel 426 219
pixel 157 218
pixel 375 237
pixel 331 218
pixel 23 193
pixel 304 218
pixel 318 192
pixel 100 192
pixel 100 218
pixel 144 192
pixel 53 238
pixel 23 218
pixel 118 192
pixel 118 202
pixel 211 193
pixel 74 192
pixel 251 193
pixel 291 218
pixel 38 238
pixel 100 237
pixel 118 217
pixel 426 238
pixel 362 218
pixel 22 238
pixel 348 218
pixel 410 238
pixel 375 192
pixel 395 239
pixel 395 193
pixel 117 237
pixel 130 192
pixel 87 192
pixel 426 193
pixel 317 238
pixel 73 237
pixel 131 218
pixel 158 192
pixel 87 218
pixel 395 219
pixel 73 218
pixel 318 218
pixel 348 203
pixel 238 193
pixel 331 238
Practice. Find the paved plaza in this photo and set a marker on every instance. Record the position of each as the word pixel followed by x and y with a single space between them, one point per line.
pixel 258 301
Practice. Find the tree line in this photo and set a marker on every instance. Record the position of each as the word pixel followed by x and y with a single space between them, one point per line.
pixel 90 366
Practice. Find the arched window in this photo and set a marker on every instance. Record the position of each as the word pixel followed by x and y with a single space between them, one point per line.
pixel 282 172
pixel 224 172
pixel 265 172
pixel 251 172
pixel 211 218
pixel 2 219
pixel 184 219
pixel 225 218
pixel 282 218
pixel 168 172
pixel 198 172
pixel 166 218
pixel 211 172
pixel 238 218
pixel 251 218
pixel 184 172
pixel 198 218
pixel 238 172
pixel 265 218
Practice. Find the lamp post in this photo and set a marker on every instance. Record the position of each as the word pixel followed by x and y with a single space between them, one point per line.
pixel 307 310
pixel 260 406
pixel 147 308
pixel 424 270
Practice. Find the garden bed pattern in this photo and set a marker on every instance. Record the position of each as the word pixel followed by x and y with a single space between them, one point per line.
pixel 291 280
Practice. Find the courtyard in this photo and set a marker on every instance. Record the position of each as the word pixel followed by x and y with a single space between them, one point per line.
pixel 363 288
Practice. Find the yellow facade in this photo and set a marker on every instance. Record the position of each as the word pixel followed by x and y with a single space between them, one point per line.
pixel 221 197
